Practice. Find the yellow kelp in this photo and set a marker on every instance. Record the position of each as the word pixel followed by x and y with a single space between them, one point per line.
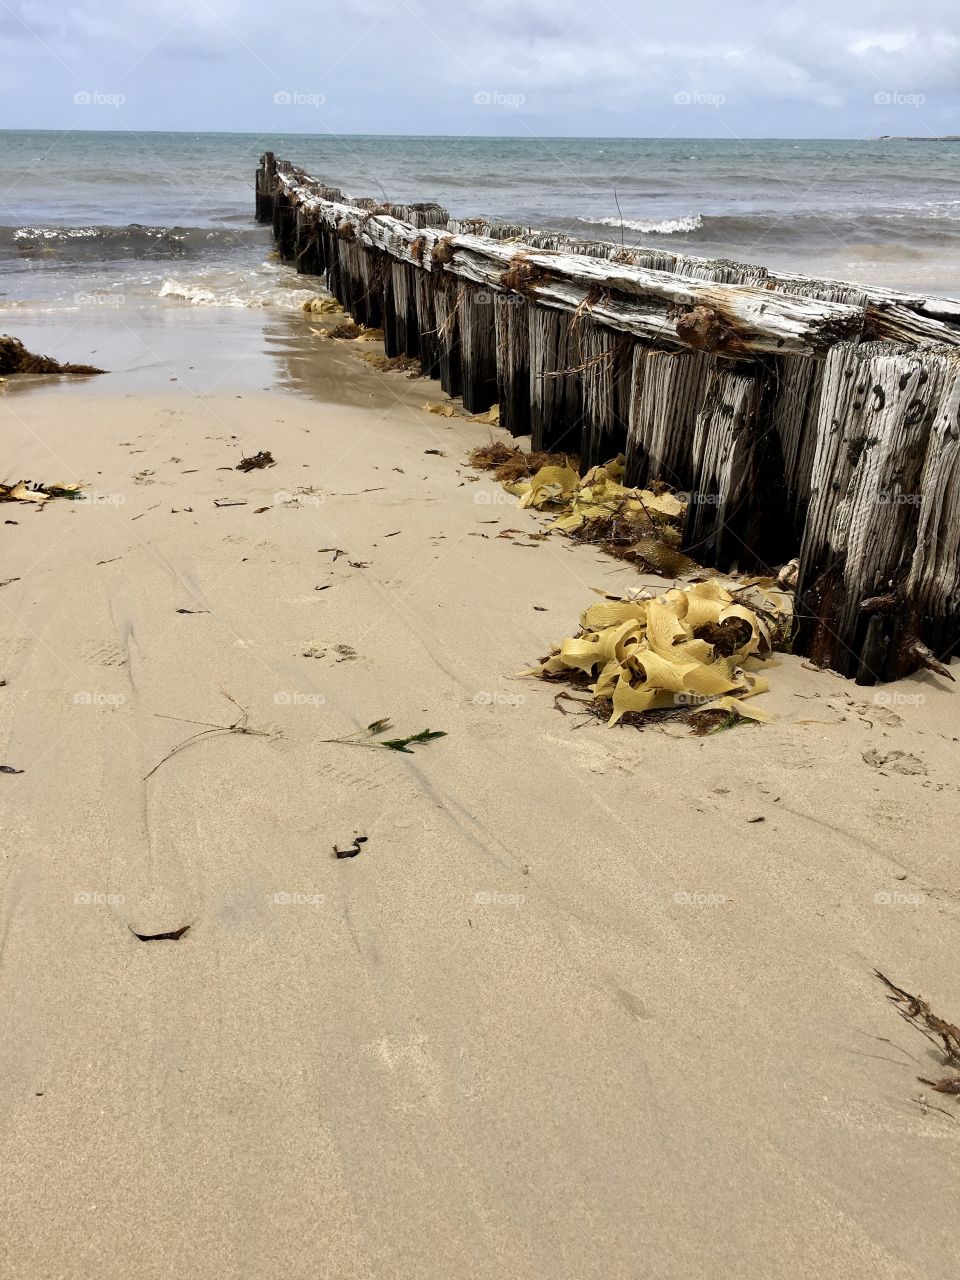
pixel 695 647
pixel 599 495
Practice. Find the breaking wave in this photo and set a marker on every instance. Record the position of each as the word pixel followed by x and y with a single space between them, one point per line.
pixel 108 244
pixel 262 288
pixel 665 227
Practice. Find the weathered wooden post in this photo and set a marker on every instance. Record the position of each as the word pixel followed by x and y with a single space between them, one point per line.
pixel 797 390
pixel 266 180
pixel 307 243
pixel 606 365
pixel 668 389
pixel 513 362
pixel 877 523
pixel 427 325
pixel 723 468
pixel 478 349
pixel 405 322
pixel 446 306
pixel 555 390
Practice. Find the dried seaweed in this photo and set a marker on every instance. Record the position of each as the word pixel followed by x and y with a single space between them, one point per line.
pixel 404 744
pixel 353 850
pixel 410 365
pixel 366 737
pixel 15 358
pixel 322 306
pixel 915 1010
pixel 172 935
pixel 509 463
pixel 257 461
pixel 950 1084
pixel 522 276
pixel 28 491
pixel 644 653
pixel 347 329
pixel 640 525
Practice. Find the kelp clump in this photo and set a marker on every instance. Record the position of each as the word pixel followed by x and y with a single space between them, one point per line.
pixel 510 464
pixel 27 491
pixel 692 650
pixel 644 526
pixel 15 358
pixel 410 365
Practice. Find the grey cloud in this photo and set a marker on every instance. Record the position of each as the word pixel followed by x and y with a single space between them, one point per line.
pixel 559 66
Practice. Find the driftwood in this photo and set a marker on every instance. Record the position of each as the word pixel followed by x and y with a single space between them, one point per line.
pixel 797 414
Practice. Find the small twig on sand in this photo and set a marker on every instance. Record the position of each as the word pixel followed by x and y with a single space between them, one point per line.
pixel 239 726
pixel 925 1105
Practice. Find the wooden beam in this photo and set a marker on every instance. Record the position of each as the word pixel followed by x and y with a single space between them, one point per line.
pixel 657 305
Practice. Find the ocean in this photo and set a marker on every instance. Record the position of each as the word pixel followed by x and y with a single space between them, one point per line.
pixel 163 220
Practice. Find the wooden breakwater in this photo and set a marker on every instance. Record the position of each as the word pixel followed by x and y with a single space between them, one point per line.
pixel 802 417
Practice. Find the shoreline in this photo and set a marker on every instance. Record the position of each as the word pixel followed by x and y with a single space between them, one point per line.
pixel 572 990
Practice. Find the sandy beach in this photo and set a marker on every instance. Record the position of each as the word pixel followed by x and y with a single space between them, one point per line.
pixel 590 1002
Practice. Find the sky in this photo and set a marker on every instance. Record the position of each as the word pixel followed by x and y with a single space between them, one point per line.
pixel 542 68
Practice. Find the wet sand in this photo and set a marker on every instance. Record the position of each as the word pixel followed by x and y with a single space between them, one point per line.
pixel 573 1011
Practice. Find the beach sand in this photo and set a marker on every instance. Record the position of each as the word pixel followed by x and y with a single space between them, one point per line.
pixel 574 1011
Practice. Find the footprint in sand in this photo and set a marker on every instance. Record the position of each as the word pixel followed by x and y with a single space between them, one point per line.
pixel 111 656
pixel 896 762
pixel 338 652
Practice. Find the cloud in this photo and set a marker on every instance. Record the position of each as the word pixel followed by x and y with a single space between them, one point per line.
pixel 611 66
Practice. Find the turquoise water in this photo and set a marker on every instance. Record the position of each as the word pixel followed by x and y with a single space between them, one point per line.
pixel 128 212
